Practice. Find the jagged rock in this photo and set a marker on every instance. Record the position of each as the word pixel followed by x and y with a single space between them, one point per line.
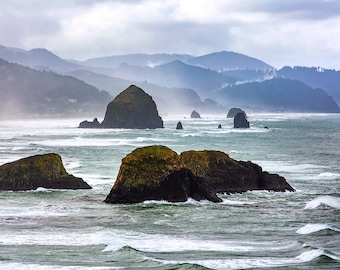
pixel 38 171
pixel 132 108
pixel 159 173
pixel 195 114
pixel 154 173
pixel 240 121
pixel 233 111
pixel 88 124
pixel 224 174
pixel 179 125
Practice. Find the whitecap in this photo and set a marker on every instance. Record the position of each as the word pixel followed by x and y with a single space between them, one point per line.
pixel 311 255
pixel 230 202
pixel 328 175
pixel 330 201
pixel 312 228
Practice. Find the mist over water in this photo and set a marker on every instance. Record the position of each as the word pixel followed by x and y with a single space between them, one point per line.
pixel 62 229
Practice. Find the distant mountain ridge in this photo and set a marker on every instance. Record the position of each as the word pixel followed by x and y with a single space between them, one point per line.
pixel 317 77
pixel 36 58
pixel 221 61
pixel 278 94
pixel 186 80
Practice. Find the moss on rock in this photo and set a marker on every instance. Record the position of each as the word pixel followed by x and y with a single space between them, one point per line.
pixel 38 171
pixel 132 108
pixel 158 173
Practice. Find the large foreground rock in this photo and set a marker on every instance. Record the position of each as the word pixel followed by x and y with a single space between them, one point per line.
pixel 159 173
pixel 154 173
pixel 224 174
pixel 132 108
pixel 38 171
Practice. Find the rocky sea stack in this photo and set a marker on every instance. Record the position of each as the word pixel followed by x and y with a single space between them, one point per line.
pixel 233 111
pixel 45 171
pixel 240 120
pixel 195 115
pixel 159 173
pixel 132 108
pixel 155 173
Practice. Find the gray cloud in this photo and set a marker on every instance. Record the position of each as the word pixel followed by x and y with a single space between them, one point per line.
pixel 280 32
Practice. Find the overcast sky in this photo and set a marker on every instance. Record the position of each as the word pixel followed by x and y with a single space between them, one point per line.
pixel 279 32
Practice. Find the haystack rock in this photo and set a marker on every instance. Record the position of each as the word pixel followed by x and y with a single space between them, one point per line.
pixel 195 114
pixel 154 173
pixel 240 121
pixel 233 111
pixel 159 173
pixel 45 171
pixel 132 108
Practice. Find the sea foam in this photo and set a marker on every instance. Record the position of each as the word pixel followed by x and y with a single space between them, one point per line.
pixel 330 201
pixel 312 228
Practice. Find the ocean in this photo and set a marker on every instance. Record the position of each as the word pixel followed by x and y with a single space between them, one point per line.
pixel 75 229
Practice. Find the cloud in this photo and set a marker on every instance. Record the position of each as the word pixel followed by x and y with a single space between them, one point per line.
pixel 280 32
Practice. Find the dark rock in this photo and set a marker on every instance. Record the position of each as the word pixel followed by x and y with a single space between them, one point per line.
pixel 233 111
pixel 88 124
pixel 240 121
pixel 195 114
pixel 158 173
pixel 154 173
pixel 179 125
pixel 132 108
pixel 38 171
pixel 224 174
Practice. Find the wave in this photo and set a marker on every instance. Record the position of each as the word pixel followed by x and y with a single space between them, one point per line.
pixel 328 175
pixel 333 202
pixel 32 266
pixel 313 228
pixel 317 255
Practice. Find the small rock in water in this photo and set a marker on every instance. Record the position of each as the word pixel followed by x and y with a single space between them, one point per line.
pixel 179 125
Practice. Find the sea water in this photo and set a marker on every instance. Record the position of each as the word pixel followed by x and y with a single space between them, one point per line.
pixel 75 229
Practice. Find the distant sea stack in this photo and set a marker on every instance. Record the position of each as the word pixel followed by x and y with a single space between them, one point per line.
pixel 233 111
pixel 179 125
pixel 132 108
pixel 240 121
pixel 195 114
pixel 45 171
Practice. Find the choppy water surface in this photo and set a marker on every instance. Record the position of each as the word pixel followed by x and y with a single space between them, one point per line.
pixel 50 229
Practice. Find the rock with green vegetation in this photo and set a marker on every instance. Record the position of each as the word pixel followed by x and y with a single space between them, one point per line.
pixel 226 175
pixel 159 173
pixel 132 108
pixel 45 171
pixel 155 173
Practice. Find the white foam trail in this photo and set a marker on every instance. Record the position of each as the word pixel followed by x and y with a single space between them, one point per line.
pixel 328 175
pixel 27 266
pixel 330 201
pixel 246 263
pixel 230 202
pixel 312 228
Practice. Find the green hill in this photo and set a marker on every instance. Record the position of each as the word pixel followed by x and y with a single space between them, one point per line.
pixel 26 92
